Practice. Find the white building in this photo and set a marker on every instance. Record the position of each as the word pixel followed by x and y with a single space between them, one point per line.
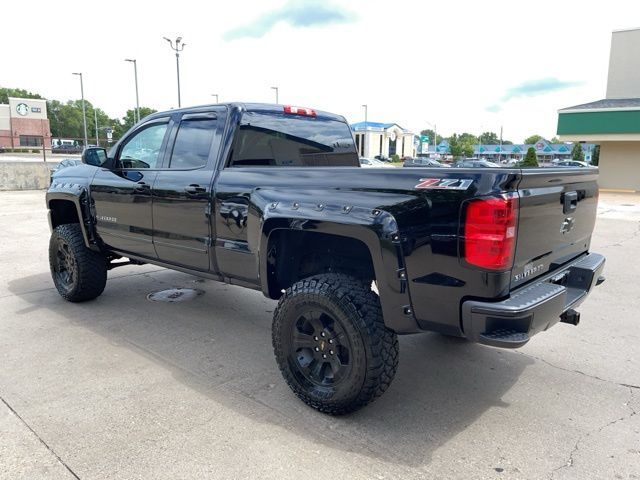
pixel 384 139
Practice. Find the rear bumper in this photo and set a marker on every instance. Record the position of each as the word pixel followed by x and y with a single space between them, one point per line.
pixel 535 307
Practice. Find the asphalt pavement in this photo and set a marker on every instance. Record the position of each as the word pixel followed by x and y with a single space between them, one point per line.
pixel 124 387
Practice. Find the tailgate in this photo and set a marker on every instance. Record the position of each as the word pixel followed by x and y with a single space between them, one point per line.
pixel 557 215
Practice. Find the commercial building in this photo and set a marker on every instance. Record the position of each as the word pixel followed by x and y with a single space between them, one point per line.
pixel 613 122
pixel 24 123
pixel 384 139
pixel 545 151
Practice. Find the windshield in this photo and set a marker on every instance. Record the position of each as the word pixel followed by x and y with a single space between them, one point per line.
pixel 285 140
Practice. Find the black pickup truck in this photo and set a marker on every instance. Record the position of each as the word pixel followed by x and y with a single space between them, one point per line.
pixel 272 198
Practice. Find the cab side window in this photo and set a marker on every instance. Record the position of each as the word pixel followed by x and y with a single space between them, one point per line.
pixel 143 149
pixel 193 143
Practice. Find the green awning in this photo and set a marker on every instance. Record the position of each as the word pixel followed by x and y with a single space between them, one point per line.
pixel 602 122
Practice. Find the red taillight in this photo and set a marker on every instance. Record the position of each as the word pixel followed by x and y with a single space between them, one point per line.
pixel 490 232
pixel 307 112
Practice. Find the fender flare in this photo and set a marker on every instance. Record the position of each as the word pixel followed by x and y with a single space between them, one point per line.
pixel 78 195
pixel 376 229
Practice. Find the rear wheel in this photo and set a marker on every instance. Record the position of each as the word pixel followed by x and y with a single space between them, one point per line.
pixel 78 273
pixel 331 343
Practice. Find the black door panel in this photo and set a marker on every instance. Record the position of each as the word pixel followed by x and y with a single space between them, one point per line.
pixel 122 199
pixel 182 191
pixel 182 233
pixel 121 195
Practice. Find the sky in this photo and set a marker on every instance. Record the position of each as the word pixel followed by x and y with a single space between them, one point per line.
pixel 461 65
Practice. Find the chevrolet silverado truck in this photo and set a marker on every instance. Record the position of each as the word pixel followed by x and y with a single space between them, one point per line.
pixel 272 198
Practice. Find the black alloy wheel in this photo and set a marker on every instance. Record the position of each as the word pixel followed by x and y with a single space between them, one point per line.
pixel 331 343
pixel 78 272
pixel 320 348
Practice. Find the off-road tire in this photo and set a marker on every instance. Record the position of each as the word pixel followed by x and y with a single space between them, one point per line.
pixel 68 253
pixel 373 354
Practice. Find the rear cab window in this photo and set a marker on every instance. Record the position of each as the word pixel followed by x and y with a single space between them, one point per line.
pixel 276 139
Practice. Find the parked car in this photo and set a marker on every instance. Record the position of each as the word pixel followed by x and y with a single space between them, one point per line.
pixel 66 149
pixel 423 162
pixel 382 158
pixel 572 163
pixel 374 163
pixel 475 164
pixel 256 195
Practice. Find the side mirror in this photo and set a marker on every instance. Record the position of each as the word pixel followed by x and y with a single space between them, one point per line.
pixel 95 156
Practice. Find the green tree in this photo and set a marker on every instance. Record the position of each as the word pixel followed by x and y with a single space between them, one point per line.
pixel 128 121
pixel 595 156
pixel 5 93
pixel 489 138
pixel 65 119
pixel 468 138
pixel 461 145
pixel 533 139
pixel 530 159
pixel 555 140
pixel 577 153
pixel 467 149
pixel 455 147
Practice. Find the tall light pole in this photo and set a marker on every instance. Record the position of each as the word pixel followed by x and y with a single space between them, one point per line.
pixel 276 89
pixel 364 135
pixel 135 73
pixel 95 117
pixel 215 95
pixel 179 46
pixel 84 114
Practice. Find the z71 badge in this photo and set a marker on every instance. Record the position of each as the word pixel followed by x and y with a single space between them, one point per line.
pixel 444 183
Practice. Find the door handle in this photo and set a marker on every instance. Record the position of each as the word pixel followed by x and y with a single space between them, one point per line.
pixel 194 189
pixel 141 187
pixel 569 202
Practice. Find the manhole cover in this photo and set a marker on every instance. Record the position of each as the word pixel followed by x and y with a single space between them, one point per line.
pixel 175 295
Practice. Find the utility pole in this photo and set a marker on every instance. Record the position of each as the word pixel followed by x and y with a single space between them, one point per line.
pixel 84 114
pixel 95 117
pixel 364 135
pixel 177 48
pixel 276 89
pixel 135 73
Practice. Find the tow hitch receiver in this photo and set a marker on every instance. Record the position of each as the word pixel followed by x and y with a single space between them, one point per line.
pixel 570 316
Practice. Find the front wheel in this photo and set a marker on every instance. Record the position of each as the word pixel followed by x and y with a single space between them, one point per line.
pixel 331 343
pixel 78 273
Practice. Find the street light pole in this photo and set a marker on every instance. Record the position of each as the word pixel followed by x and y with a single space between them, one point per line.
pixel 276 89
pixel 215 95
pixel 84 114
pixel 364 135
pixel 135 73
pixel 177 48
pixel 95 117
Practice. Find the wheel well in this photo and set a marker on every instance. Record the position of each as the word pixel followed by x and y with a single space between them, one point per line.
pixel 293 255
pixel 63 212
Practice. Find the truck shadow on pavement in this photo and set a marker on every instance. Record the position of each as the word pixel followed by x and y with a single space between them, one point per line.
pixel 219 344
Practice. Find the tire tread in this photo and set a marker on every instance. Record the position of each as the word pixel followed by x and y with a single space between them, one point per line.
pixel 92 266
pixel 382 349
